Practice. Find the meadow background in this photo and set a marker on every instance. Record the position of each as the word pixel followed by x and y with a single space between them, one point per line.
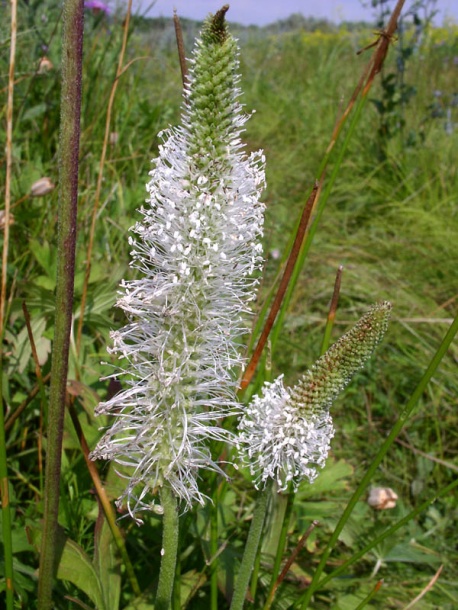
pixel 391 221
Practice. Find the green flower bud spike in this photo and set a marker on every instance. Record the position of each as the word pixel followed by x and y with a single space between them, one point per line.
pixel 285 433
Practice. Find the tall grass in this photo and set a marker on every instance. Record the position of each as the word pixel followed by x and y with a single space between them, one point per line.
pixel 391 221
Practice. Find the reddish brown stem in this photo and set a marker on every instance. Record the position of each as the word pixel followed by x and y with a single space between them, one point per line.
pixel 275 308
pixel 180 47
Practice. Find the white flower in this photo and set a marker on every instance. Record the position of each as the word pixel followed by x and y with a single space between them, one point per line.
pixel 197 247
pixel 279 441
pixel 285 434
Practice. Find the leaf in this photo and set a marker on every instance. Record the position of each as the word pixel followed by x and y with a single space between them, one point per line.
pixel 45 257
pixel 20 344
pixel 190 583
pixel 107 563
pixel 75 566
pixel 35 112
pixel 331 479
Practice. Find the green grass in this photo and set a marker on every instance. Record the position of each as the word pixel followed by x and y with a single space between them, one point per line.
pixel 391 221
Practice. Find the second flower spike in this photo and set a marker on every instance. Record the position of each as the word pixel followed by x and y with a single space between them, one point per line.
pixel 285 434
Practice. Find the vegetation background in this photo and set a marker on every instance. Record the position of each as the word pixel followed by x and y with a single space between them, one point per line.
pixel 391 221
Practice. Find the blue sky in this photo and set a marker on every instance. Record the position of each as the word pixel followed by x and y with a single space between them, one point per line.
pixel 260 12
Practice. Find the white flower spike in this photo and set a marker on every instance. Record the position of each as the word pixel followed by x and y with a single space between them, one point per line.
pixel 285 434
pixel 195 251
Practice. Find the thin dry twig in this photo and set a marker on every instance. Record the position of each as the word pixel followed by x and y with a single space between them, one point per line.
pixel 428 587
pixel 25 403
pixel 294 554
pixel 427 456
pixel 9 164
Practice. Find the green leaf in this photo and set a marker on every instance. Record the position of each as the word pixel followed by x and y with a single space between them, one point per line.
pixel 20 344
pixel 75 566
pixel 107 563
pixel 35 112
pixel 45 256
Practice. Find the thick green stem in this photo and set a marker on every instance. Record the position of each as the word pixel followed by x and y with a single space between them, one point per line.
pixel 214 553
pixel 406 413
pixel 72 54
pixel 169 550
pixel 280 548
pixel 251 548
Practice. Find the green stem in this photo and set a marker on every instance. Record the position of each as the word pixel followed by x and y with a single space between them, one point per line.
pixel 6 509
pixel 214 553
pixel 251 549
pixel 371 595
pixel 280 549
pixel 169 550
pixel 72 54
pixel 407 411
pixel 255 575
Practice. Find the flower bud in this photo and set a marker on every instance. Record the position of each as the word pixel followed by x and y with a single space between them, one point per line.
pixel 42 187
pixel 44 65
pixel 382 498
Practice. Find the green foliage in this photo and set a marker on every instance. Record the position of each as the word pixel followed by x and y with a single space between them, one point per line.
pixel 391 222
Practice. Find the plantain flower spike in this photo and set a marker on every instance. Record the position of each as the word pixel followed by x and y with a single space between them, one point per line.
pixel 196 253
pixel 285 433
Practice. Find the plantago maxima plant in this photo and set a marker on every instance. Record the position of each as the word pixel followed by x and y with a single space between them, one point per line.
pixel 195 251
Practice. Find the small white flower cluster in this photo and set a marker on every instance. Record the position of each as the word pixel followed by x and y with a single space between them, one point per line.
pixel 285 434
pixel 197 247
pixel 280 441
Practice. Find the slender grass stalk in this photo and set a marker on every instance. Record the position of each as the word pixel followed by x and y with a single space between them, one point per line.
pixel 404 416
pixel 6 514
pixel 251 549
pixel 282 288
pixel 98 189
pixel 280 548
pixel 4 491
pixel 169 549
pixel 72 55
pixel 42 390
pixel 107 507
pixel 292 558
pixel 371 70
pixel 370 596
pixel 255 574
pixel 332 312
pixel 214 552
pixel 180 47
